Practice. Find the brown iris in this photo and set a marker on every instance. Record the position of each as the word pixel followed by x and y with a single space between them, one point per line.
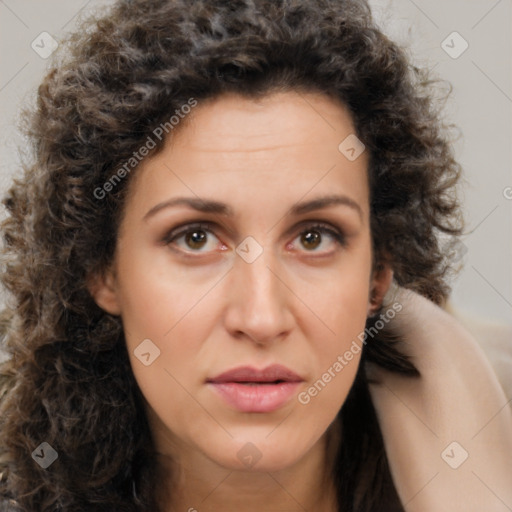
pixel 311 239
pixel 195 239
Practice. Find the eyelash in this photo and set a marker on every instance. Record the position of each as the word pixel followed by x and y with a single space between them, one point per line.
pixel 209 228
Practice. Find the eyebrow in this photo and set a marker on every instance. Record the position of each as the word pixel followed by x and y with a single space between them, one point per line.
pixel 210 206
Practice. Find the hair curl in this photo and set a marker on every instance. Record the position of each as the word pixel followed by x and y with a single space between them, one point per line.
pixel 68 379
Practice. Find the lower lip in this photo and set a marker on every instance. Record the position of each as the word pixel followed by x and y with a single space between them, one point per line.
pixel 256 397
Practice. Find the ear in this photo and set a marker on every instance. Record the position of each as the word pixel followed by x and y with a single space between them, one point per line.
pixel 381 280
pixel 103 288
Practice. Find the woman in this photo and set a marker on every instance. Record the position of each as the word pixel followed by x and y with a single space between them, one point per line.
pixel 203 261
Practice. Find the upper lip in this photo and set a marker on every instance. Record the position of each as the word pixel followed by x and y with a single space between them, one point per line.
pixel 272 373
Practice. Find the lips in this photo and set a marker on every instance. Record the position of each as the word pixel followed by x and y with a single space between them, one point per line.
pixel 247 389
pixel 247 374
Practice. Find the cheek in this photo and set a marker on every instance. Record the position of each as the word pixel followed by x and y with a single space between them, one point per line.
pixel 336 361
pixel 338 353
pixel 338 305
pixel 170 384
pixel 158 295
pixel 166 318
pixel 334 332
pixel 177 330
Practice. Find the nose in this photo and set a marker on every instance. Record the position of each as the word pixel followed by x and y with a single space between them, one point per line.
pixel 259 305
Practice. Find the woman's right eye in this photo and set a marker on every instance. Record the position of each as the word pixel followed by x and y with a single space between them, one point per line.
pixel 192 238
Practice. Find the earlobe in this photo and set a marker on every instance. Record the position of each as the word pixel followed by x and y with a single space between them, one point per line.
pixel 103 289
pixel 381 281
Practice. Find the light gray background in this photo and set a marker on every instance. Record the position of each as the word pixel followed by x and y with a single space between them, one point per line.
pixel 481 105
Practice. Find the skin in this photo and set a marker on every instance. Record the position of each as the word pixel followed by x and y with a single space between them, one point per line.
pixel 301 303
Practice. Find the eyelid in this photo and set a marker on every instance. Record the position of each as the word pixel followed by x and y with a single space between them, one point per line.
pixel 184 228
pixel 334 231
pixel 327 227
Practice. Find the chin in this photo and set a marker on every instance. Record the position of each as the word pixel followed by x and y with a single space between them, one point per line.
pixel 264 462
pixel 258 453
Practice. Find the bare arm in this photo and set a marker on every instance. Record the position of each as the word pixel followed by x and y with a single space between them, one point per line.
pixel 448 434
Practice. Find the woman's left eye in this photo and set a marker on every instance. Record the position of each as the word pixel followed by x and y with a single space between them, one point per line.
pixel 313 237
pixel 197 238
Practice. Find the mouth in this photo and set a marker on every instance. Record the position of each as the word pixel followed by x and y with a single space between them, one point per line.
pixel 247 389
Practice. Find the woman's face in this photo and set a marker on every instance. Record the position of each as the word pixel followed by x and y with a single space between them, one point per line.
pixel 277 273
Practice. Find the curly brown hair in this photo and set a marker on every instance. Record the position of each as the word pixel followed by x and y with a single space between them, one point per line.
pixel 68 379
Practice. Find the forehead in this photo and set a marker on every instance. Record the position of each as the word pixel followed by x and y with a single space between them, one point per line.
pixel 280 146
pixel 278 118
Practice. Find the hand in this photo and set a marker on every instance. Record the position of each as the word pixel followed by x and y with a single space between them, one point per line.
pixel 456 409
pixel 419 317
